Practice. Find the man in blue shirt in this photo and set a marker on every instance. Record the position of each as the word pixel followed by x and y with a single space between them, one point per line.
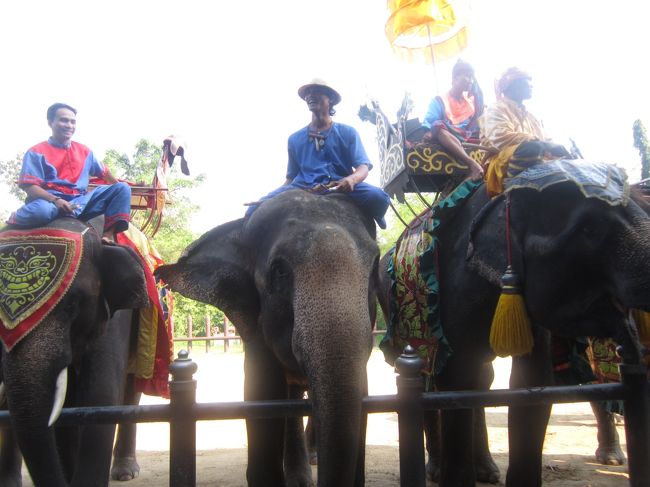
pixel 55 175
pixel 326 156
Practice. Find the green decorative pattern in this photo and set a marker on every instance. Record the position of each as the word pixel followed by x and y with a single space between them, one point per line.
pixel 414 297
pixel 29 274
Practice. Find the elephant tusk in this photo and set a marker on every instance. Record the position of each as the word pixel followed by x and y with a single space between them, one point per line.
pixel 59 396
pixel 3 393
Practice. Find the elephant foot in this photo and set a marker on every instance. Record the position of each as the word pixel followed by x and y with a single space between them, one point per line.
pixel 432 470
pixel 125 469
pixel 487 471
pixel 300 481
pixel 610 455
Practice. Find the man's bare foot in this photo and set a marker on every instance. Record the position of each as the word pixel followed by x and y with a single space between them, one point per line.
pixel 108 238
pixel 476 172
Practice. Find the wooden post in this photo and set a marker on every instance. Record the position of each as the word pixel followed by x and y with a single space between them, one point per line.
pixel 182 427
pixel 208 332
pixel 226 343
pixel 190 331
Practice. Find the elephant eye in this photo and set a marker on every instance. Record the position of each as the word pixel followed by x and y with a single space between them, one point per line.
pixel 280 276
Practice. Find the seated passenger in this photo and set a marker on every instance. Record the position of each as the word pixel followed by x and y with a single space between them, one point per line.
pixel 55 176
pixel 507 125
pixel 328 156
pixel 452 118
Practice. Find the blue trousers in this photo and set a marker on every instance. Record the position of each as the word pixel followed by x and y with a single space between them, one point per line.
pixel 372 200
pixel 114 202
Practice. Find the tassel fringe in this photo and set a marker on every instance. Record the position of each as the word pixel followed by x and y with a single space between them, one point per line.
pixel 511 332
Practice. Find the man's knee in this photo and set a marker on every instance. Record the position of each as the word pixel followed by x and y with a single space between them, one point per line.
pixel 36 213
pixel 122 188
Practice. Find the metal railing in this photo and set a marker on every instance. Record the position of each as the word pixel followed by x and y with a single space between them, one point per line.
pixel 410 402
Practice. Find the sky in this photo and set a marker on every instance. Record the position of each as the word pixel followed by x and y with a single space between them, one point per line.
pixel 223 76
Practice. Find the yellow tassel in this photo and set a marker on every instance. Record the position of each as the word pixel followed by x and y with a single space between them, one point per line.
pixel 642 321
pixel 511 332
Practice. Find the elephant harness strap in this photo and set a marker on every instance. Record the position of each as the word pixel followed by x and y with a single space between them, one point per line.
pixel 37 267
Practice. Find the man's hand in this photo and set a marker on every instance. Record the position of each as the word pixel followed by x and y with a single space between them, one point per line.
pixel 557 150
pixel 63 206
pixel 345 185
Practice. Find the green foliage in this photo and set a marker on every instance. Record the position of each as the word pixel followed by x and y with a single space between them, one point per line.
pixel 641 143
pixel 174 234
pixel 9 172
pixel 407 212
pixel 184 308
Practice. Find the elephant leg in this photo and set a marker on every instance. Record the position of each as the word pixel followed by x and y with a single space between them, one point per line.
pixel 432 442
pixel 457 425
pixel 264 380
pixel 125 464
pixel 102 383
pixel 10 460
pixel 296 459
pixel 310 437
pixel 527 425
pixel 609 450
pixel 486 469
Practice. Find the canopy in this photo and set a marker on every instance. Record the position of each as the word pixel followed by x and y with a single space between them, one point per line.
pixel 426 30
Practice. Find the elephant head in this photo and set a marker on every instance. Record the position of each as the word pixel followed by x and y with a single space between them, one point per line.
pixel 298 279
pixel 583 262
pixel 35 368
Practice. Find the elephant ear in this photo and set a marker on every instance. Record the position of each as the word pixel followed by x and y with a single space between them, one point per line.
pixel 217 269
pixel 486 250
pixel 123 279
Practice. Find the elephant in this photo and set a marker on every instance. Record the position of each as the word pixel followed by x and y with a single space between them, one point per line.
pixel 582 261
pixel 76 356
pixel 298 279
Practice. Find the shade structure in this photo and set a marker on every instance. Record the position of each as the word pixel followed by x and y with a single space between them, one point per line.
pixel 426 30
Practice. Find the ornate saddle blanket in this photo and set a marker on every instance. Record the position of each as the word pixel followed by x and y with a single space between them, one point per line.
pixel 155 347
pixel 595 180
pixel 414 294
pixel 37 268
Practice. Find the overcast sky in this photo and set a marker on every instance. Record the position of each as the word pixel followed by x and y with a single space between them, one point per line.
pixel 224 76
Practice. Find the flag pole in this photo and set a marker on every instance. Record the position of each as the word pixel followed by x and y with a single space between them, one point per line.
pixel 433 61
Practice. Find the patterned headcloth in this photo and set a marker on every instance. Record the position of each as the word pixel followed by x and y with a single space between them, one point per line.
pixel 510 75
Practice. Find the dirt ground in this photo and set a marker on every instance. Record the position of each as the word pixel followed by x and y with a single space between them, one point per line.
pixel 221 445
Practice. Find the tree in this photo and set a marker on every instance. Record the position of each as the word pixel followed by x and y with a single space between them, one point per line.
pixel 641 143
pixel 174 234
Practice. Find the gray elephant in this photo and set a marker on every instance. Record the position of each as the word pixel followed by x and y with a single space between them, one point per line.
pixel 75 355
pixel 298 279
pixel 580 246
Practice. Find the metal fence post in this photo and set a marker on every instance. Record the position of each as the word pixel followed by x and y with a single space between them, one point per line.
pixel 182 426
pixel 410 418
pixel 637 422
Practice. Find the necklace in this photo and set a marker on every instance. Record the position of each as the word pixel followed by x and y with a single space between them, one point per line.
pixel 318 136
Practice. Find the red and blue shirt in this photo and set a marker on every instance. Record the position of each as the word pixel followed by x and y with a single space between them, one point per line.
pixel 61 170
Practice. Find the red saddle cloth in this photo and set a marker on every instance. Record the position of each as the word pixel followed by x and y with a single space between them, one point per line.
pixel 37 267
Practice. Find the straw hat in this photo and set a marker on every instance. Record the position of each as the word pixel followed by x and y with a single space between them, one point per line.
pixel 331 92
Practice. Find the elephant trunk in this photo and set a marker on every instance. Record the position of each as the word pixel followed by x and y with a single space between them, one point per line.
pixel 30 374
pixel 332 340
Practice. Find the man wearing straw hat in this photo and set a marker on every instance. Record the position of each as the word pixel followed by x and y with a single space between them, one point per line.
pixel 327 156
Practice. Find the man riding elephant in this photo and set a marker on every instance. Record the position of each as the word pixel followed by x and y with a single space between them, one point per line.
pixel 507 126
pixel 327 156
pixel 55 175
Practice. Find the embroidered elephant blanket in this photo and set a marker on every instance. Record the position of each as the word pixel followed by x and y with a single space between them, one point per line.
pixel 37 268
pixel 414 294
